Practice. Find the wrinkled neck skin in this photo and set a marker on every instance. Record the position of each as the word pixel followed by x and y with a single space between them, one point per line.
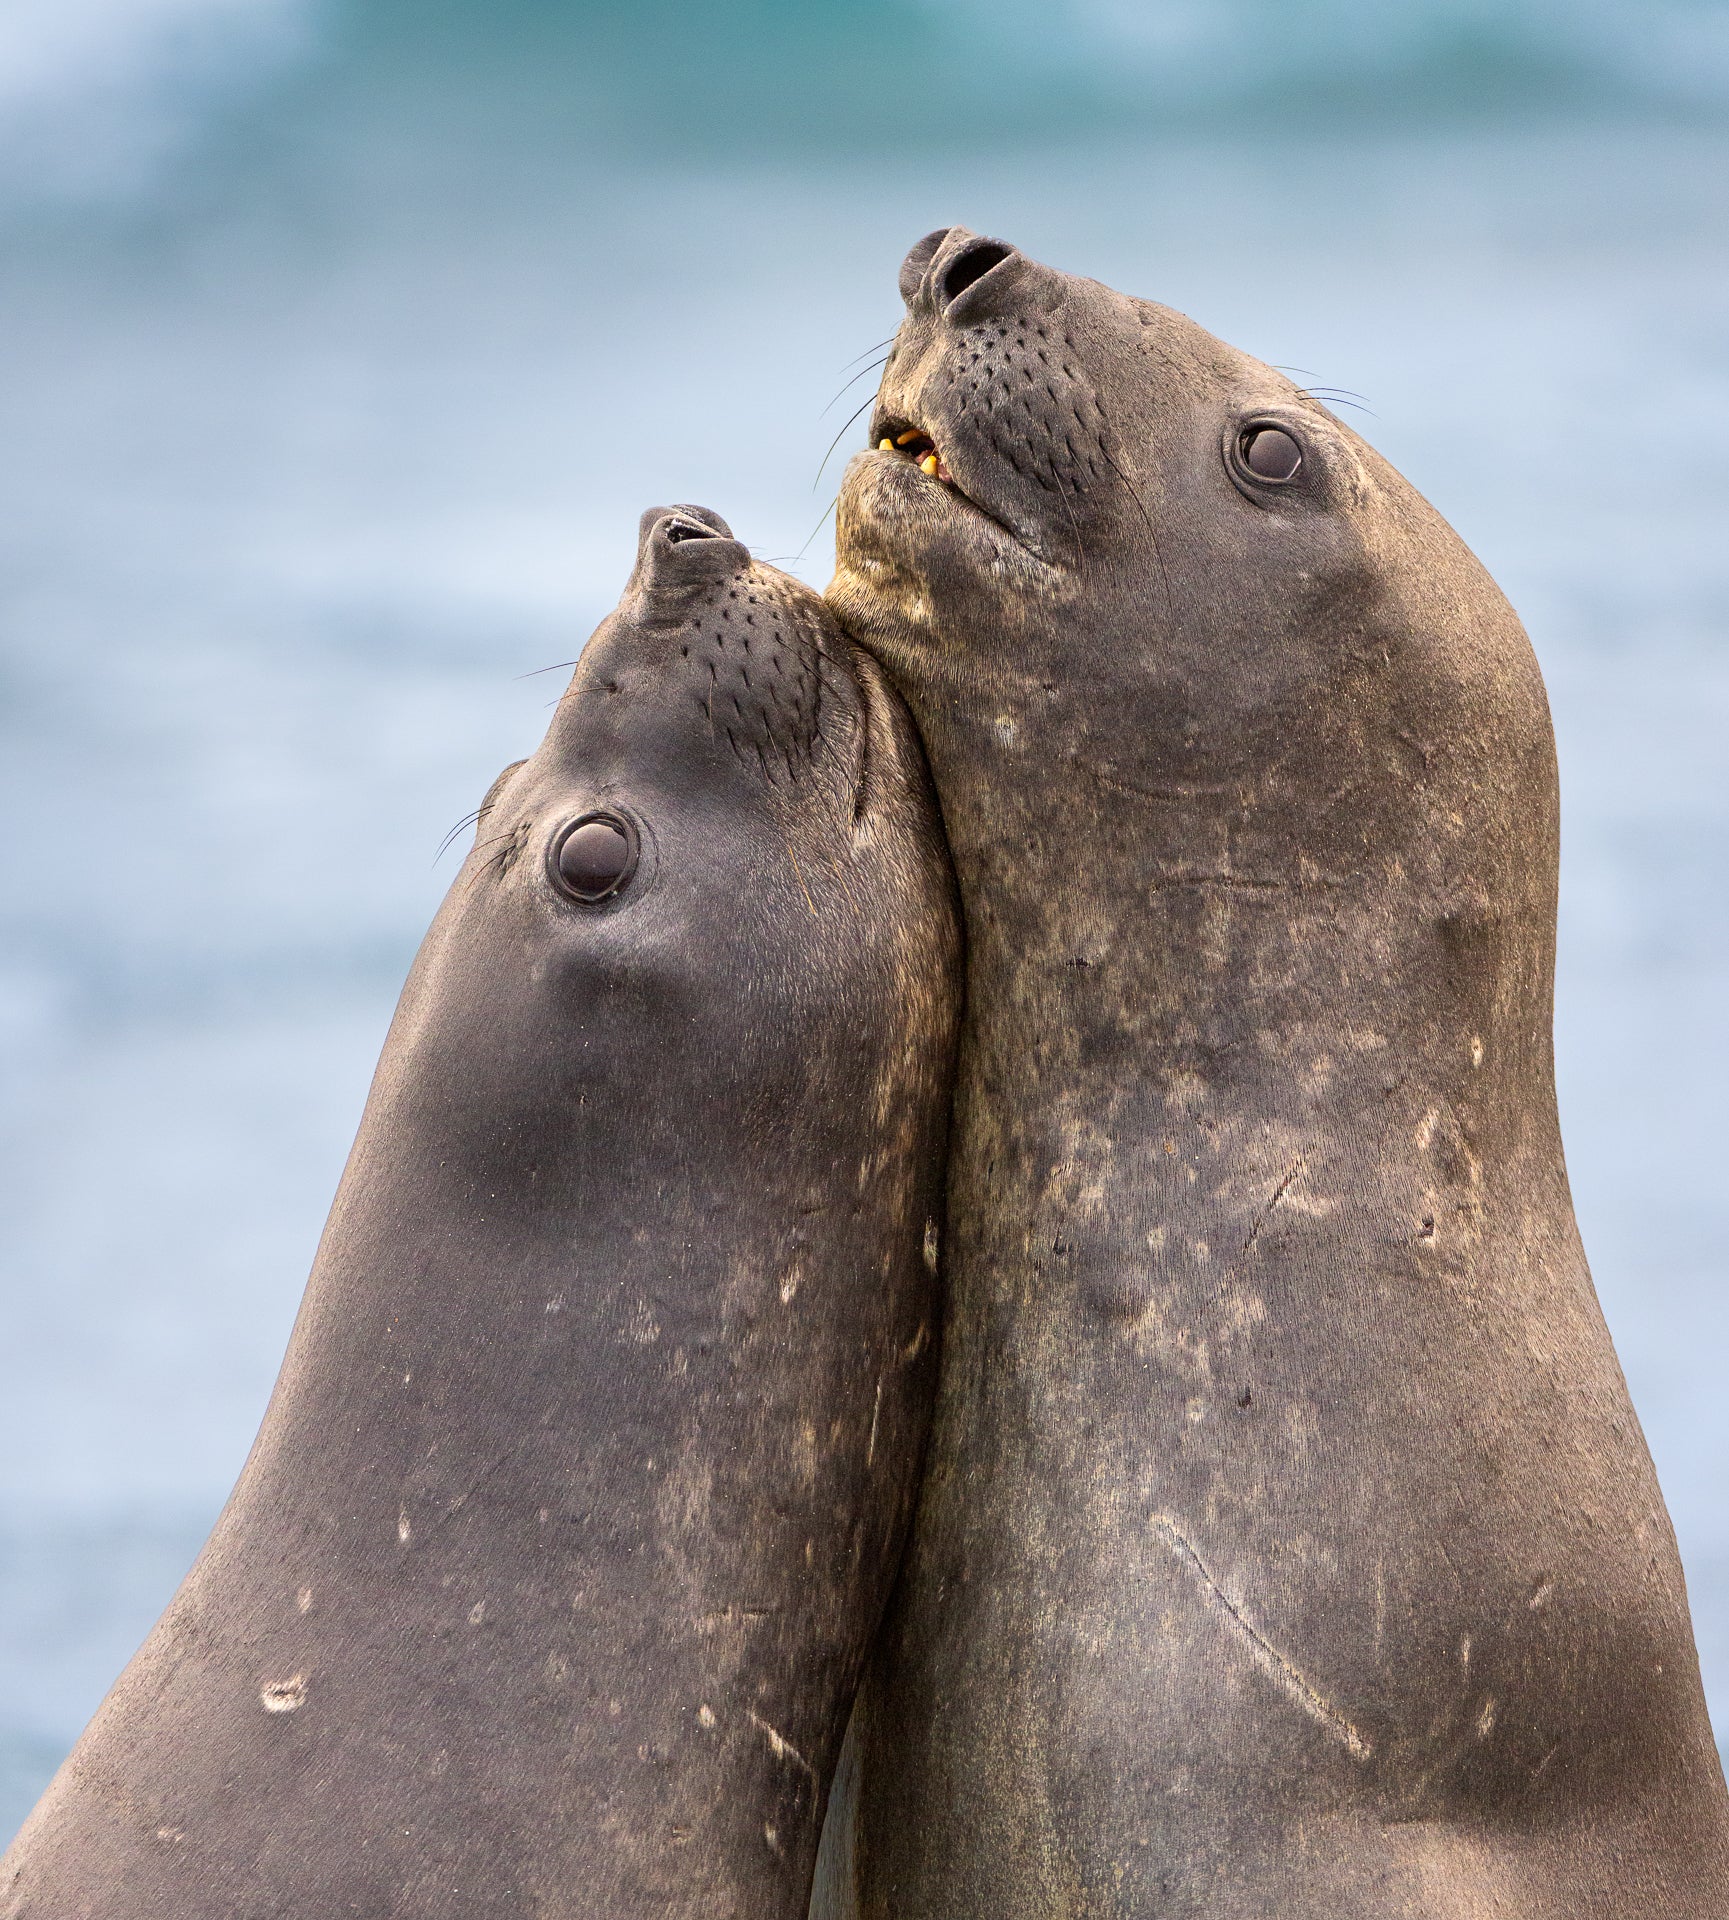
pixel 1284 1503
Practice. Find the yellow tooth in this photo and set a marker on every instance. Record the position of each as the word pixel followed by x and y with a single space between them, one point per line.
pixel 885 445
pixel 929 465
pixel 906 439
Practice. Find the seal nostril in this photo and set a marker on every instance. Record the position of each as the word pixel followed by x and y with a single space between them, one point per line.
pixel 688 530
pixel 971 266
pixel 918 260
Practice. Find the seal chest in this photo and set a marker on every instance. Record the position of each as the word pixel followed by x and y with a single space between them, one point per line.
pixel 547 1585
pixel 1288 1543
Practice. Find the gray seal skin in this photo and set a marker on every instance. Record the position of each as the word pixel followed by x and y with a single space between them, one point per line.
pixel 1288 1544
pixel 546 1587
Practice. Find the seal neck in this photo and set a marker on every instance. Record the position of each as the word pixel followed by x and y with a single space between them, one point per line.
pixel 1316 970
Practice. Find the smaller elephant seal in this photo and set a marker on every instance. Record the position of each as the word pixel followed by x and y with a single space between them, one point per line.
pixel 1288 1545
pixel 547 1584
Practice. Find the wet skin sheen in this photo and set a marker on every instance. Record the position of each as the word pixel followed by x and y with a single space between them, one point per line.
pixel 1288 1545
pixel 545 1589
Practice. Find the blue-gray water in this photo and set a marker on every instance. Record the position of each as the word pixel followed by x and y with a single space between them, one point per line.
pixel 340 348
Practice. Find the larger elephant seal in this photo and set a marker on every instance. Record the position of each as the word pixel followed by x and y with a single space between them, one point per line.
pixel 546 1587
pixel 1289 1546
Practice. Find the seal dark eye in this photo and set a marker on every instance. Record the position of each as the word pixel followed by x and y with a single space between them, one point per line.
pixel 1270 454
pixel 595 857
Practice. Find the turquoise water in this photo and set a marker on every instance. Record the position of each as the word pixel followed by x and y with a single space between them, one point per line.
pixel 341 348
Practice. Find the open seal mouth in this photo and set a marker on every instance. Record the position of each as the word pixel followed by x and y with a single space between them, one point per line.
pixel 895 436
pixel 914 444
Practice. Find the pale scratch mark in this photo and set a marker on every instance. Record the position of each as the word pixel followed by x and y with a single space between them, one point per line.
pixel 809 902
pixel 1446 1553
pixel 1266 1655
pixel 1235 882
pixel 728 1616
pixel 876 1415
pixel 780 1748
pixel 1279 1193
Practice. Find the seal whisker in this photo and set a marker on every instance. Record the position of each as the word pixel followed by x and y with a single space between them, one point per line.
pixel 797 557
pixel 498 863
pixel 1340 397
pixel 1074 527
pixel 835 442
pixel 467 820
pixel 877 348
pixel 1147 518
pixel 853 382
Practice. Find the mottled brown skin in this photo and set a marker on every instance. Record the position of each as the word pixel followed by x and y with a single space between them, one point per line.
pixel 546 1587
pixel 1288 1544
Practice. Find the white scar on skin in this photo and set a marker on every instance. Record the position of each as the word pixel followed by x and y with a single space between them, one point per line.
pixel 781 1749
pixel 283 1696
pixel 1267 1657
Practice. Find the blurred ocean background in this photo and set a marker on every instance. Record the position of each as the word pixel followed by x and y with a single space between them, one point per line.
pixel 340 346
